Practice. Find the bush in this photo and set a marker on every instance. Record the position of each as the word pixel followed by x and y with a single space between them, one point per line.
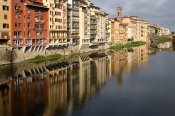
pixel 161 40
pixel 40 58
pixel 128 45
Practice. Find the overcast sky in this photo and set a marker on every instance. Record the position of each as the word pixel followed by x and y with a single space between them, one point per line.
pixel 160 12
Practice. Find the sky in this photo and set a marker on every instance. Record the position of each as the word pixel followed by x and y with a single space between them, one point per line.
pixel 161 12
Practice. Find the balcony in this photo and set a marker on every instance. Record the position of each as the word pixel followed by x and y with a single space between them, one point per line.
pixel 18 10
pixel 92 37
pixel 40 36
pixel 93 32
pixel 28 44
pixel 42 21
pixel 43 29
pixel 93 27
pixel 93 17
pixel 75 14
pixel 75 31
pixel 53 37
pixel 37 28
pixel 75 20
pixel 93 22
pixel 29 11
pixel 75 9
pixel 37 20
pixel 17 37
pixel 75 26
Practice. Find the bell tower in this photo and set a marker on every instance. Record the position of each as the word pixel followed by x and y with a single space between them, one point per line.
pixel 119 12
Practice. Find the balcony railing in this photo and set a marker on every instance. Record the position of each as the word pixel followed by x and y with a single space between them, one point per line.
pixel 93 32
pixel 17 37
pixel 40 36
pixel 75 20
pixel 42 21
pixel 93 27
pixel 93 22
pixel 75 14
pixel 94 17
pixel 37 20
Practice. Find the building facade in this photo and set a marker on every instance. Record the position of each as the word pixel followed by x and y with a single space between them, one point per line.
pixel 73 22
pixel 142 32
pixel 119 32
pixel 98 27
pixel 94 26
pixel 29 24
pixel 152 30
pixel 85 25
pixel 129 28
pixel 57 22
pixel 4 22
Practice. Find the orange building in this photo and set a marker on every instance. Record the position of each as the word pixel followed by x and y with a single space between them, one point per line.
pixel 29 24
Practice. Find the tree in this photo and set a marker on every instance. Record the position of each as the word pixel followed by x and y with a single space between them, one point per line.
pixel 10 56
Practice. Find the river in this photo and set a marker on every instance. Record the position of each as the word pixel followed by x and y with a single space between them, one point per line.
pixel 129 82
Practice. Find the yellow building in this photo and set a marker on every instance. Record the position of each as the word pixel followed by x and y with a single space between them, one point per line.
pixel 131 27
pixel 119 32
pixel 142 30
pixel 4 21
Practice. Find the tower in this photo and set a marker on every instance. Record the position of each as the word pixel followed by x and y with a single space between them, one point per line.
pixel 119 12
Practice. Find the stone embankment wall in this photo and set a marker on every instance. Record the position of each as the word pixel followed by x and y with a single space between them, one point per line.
pixel 28 55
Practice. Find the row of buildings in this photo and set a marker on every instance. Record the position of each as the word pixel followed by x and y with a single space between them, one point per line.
pixel 132 28
pixel 40 24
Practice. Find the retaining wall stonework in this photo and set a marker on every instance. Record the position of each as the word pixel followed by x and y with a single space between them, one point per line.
pixel 28 55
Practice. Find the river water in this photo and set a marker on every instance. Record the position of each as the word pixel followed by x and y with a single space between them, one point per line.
pixel 133 82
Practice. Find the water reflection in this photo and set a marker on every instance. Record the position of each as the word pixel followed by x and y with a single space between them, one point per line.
pixel 7 72
pixel 55 89
pixel 62 87
pixel 128 60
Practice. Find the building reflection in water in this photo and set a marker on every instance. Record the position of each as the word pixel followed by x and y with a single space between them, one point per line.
pixel 56 89
pixel 128 60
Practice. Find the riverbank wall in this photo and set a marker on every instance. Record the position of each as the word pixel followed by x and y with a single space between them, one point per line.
pixel 71 50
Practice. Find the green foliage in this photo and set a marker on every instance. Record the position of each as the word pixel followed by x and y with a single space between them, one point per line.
pixel 128 45
pixel 53 57
pixel 160 40
pixel 41 58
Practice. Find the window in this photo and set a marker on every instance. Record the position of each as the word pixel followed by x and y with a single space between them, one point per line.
pixel 15 24
pixel 5 16
pixel 4 7
pixel 5 25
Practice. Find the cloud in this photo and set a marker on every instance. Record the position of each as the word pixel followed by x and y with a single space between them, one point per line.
pixel 155 11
